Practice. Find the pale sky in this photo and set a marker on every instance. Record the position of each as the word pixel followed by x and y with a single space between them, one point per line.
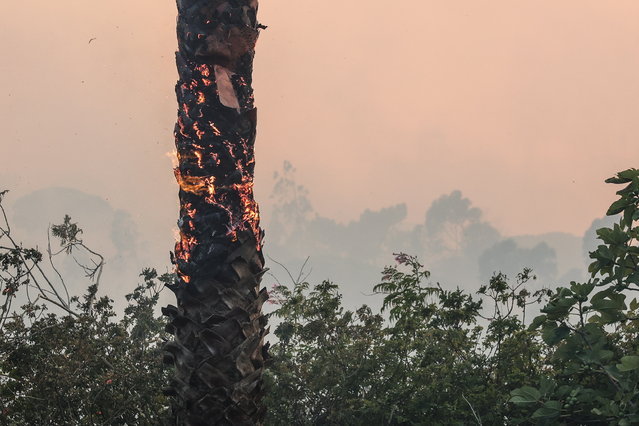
pixel 526 106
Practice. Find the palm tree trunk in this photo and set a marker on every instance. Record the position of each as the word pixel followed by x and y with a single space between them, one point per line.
pixel 218 351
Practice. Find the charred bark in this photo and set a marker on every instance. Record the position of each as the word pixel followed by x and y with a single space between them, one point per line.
pixel 218 351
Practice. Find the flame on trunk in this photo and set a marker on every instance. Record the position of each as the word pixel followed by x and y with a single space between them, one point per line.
pixel 219 352
pixel 215 164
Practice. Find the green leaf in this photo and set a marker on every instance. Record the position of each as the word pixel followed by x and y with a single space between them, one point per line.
pixel 628 363
pixel 559 307
pixel 608 299
pixel 629 174
pixel 552 334
pixel 624 176
pixel 617 180
pixel 595 356
pixel 525 395
pixel 604 253
pixel 613 371
pixel 546 385
pixel 550 410
pixel 582 290
pixel 618 206
pixel 633 278
pixel 628 214
pixel 594 319
pixel 538 321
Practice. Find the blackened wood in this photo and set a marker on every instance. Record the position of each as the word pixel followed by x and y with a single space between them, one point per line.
pixel 218 350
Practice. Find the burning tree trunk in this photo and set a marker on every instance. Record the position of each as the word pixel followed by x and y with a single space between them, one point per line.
pixel 218 351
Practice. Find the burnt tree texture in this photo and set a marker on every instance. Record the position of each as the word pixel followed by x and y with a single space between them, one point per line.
pixel 218 350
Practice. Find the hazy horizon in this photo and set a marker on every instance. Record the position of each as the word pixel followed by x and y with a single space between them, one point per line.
pixel 524 107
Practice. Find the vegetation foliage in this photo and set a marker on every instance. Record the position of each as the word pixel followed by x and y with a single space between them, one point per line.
pixel 430 355
pixel 69 360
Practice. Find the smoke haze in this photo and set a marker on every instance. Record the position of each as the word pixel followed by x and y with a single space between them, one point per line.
pixel 524 108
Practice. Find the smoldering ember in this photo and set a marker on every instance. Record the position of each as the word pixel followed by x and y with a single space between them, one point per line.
pixel 219 350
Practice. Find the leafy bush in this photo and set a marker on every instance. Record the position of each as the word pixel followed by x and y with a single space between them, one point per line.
pixel 431 363
pixel 593 366
pixel 67 360
pixel 441 359
pixel 429 356
pixel 84 369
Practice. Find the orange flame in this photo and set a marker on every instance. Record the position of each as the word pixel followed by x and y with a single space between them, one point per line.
pixel 250 209
pixel 198 154
pixel 199 185
pixel 242 217
pixel 184 246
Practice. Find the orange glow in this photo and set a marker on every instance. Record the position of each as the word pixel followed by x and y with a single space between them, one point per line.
pixel 190 210
pixel 235 199
pixel 215 158
pixel 184 246
pixel 199 133
pixel 198 154
pixel 216 131
pixel 204 70
pixel 182 127
pixel 199 185
pixel 250 209
pixel 190 86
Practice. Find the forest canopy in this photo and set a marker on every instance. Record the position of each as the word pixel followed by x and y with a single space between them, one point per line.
pixel 501 354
